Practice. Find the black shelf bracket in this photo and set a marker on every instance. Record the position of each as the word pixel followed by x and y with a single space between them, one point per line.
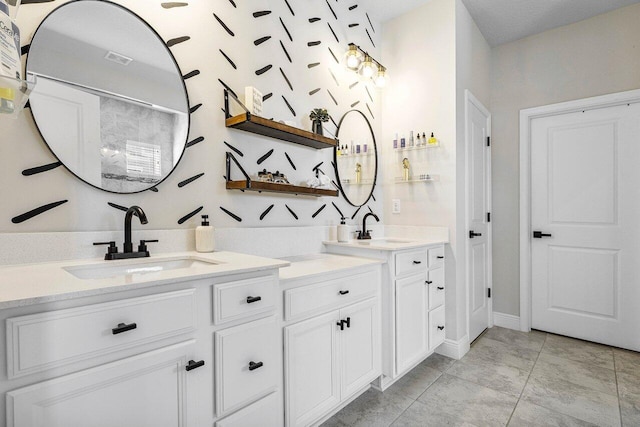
pixel 227 112
pixel 229 158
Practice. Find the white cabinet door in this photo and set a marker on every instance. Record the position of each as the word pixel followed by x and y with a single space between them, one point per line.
pixel 152 389
pixel 411 320
pixel 311 369
pixel 359 346
pixel 266 412
pixel 436 287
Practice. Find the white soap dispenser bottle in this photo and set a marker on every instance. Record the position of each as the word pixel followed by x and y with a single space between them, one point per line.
pixel 204 236
pixel 343 231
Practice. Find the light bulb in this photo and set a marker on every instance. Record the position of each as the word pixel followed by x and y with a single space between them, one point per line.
pixel 368 69
pixel 353 61
pixel 381 78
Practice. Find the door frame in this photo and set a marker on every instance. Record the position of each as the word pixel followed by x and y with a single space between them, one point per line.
pixel 469 99
pixel 526 117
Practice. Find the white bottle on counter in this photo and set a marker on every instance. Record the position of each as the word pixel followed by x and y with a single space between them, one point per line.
pixel 204 236
pixel 343 231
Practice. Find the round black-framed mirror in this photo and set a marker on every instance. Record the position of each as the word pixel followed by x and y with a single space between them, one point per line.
pixel 356 158
pixel 110 101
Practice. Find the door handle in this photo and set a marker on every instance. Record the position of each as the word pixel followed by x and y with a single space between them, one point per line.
pixel 472 234
pixel 540 235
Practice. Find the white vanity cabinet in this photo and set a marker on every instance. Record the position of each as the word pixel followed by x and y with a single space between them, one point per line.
pixel 413 290
pixel 188 354
pixel 331 341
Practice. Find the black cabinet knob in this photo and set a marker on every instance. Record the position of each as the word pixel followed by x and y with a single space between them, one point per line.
pixel 472 234
pixel 417 262
pixel 441 327
pixel 540 235
pixel 193 365
pixel 341 324
pixel 255 365
pixel 428 282
pixel 251 300
pixel 344 292
pixel 440 257
pixel 348 322
pixel 440 288
pixel 123 327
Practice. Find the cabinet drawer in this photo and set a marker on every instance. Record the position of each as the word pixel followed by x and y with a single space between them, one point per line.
pixel 436 257
pixel 436 287
pixel 328 295
pixel 265 412
pixel 411 262
pixel 247 363
pixel 244 298
pixel 43 341
pixel 436 327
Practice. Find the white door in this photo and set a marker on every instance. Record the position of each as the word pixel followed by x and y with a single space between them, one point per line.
pixel 585 204
pixel 411 321
pixel 360 351
pixel 478 194
pixel 150 390
pixel 311 371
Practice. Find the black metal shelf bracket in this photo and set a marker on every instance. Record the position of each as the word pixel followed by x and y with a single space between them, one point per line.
pixel 227 112
pixel 229 158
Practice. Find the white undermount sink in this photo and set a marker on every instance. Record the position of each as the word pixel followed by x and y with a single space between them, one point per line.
pixel 110 269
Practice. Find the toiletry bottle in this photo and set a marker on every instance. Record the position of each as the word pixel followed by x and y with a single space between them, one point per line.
pixel 338 151
pixel 343 231
pixel 204 236
pixel 433 140
pixel 411 140
pixel 10 63
pixel 403 142
pixel 395 142
pixel 358 149
pixel 418 140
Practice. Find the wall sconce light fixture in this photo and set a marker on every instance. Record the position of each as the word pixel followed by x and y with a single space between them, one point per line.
pixel 360 61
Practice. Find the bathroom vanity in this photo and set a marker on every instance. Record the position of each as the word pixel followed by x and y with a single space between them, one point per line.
pixel 412 295
pixel 178 340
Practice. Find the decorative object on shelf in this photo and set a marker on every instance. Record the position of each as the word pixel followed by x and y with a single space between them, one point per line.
pixel 360 61
pixel 261 126
pixel 113 159
pixel 405 169
pixel 318 116
pixel 356 172
pixel 253 100
pixel 433 140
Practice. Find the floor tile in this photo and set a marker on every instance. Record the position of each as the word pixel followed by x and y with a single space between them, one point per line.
pixel 530 415
pixel 627 361
pixel 372 409
pixel 580 351
pixel 415 382
pixel 530 340
pixel 501 353
pixel 438 362
pixel 574 400
pixel 487 373
pixel 629 386
pixel 630 413
pixel 452 401
pixel 590 376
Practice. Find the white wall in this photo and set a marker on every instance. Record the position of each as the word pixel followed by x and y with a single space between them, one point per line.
pixel 593 57
pixel 86 210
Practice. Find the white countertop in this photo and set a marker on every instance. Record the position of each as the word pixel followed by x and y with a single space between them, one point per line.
pixel 389 243
pixel 319 264
pixel 28 284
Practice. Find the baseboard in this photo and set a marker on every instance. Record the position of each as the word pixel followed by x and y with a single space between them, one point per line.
pixel 454 349
pixel 508 321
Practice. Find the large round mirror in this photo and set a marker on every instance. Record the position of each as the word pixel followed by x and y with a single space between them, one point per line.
pixel 356 158
pixel 110 100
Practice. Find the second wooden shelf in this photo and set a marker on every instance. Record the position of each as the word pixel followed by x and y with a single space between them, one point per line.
pixel 271 187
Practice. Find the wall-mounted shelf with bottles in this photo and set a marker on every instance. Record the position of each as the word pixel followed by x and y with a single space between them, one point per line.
pixel 418 178
pixel 417 147
pixel 354 182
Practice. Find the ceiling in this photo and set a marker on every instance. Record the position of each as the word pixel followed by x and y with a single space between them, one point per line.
pixel 504 21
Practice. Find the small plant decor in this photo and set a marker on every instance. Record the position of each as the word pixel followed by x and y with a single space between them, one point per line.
pixel 318 116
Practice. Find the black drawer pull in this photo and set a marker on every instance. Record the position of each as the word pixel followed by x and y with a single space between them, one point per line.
pixel 417 262
pixel 348 322
pixel 193 365
pixel 440 257
pixel 441 327
pixel 255 365
pixel 122 327
pixel 344 292
pixel 341 324
pixel 253 299
pixel 440 288
pixel 428 282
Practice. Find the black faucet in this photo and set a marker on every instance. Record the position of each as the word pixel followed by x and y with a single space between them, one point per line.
pixel 127 252
pixel 366 234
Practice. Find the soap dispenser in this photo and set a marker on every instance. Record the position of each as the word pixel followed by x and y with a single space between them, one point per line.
pixel 204 236
pixel 343 231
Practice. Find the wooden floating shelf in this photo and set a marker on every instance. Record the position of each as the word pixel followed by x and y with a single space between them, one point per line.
pixel 271 187
pixel 261 126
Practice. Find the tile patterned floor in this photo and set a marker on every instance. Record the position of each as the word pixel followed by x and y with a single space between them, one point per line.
pixel 509 378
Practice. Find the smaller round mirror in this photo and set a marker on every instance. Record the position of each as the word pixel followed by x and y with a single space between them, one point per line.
pixel 356 158
pixel 110 100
